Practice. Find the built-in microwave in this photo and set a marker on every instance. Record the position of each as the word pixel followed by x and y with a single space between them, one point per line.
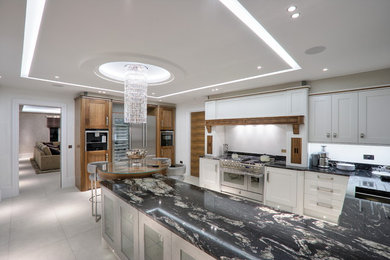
pixel 166 138
pixel 96 140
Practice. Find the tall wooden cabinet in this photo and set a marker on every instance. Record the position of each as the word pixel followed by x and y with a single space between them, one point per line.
pixel 166 122
pixel 91 113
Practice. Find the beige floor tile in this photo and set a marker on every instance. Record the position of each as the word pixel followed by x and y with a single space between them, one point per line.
pixel 59 250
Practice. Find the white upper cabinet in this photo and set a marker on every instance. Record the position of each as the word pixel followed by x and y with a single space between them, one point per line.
pixel 352 117
pixel 374 122
pixel 320 118
pixel 283 103
pixel 345 117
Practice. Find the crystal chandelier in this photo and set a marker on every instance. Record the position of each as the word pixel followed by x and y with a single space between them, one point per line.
pixel 135 97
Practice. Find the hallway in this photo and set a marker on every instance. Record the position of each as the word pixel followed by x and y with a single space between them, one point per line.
pixel 46 222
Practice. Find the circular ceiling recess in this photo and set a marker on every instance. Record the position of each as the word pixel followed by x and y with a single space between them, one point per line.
pixel 115 71
pixel 315 50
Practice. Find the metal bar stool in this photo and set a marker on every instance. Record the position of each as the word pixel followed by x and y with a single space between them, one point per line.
pixel 94 178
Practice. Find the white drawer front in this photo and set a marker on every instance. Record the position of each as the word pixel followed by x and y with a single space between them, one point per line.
pixel 329 190
pixel 323 205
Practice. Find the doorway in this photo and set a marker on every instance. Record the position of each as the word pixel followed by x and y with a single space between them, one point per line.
pixel 39 148
pixel 197 140
pixel 55 156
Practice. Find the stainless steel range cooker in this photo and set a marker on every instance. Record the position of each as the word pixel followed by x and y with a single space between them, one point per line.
pixel 243 177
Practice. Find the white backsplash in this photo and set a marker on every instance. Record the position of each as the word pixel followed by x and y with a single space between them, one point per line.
pixel 354 153
pixel 270 139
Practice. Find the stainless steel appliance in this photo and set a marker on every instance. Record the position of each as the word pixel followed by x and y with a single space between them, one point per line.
pixel 144 136
pixel 127 136
pixel 166 138
pixel 323 161
pixel 96 140
pixel 243 177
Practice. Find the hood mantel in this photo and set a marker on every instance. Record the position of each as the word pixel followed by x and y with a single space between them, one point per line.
pixel 295 121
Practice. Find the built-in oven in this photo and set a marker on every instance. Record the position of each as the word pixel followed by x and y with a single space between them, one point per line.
pixel 96 140
pixel 234 178
pixel 242 182
pixel 256 183
pixel 166 138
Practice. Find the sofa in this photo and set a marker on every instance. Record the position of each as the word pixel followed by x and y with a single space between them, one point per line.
pixel 47 155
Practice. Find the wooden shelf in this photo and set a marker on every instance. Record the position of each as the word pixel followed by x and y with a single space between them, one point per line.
pixel 277 120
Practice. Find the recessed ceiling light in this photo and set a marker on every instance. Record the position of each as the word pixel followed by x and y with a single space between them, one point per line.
pixel 292 8
pixel 259 67
pixel 0 77
pixel 325 69
pixel 160 100
pixel 57 77
pixel 153 93
pixel 295 16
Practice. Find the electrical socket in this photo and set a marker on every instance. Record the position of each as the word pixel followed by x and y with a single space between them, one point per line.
pixel 284 151
pixel 368 156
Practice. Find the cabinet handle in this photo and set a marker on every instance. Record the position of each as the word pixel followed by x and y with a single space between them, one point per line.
pixel 334 135
pixel 325 189
pixel 160 238
pixel 106 156
pixel 216 168
pixel 324 205
pixel 106 120
pixel 267 176
pixel 324 178
pixel 328 135
pixel 362 135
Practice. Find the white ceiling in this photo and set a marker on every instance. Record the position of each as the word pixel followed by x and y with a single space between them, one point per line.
pixel 201 42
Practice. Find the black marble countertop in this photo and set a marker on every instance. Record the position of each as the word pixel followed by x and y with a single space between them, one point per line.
pixel 230 228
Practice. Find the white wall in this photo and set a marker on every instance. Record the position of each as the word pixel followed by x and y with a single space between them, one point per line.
pixel 354 153
pixel 183 131
pixel 8 183
pixel 269 139
pixel 32 128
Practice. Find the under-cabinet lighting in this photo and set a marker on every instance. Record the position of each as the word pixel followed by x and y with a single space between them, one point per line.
pixel 37 109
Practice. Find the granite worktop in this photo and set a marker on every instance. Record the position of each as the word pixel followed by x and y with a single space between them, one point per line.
pixel 230 228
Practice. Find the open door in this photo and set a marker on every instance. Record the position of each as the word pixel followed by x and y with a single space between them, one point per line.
pixel 197 140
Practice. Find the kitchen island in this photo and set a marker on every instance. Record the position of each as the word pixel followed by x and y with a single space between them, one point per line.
pixel 226 227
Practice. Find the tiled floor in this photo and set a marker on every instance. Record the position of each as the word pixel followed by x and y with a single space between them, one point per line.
pixel 46 222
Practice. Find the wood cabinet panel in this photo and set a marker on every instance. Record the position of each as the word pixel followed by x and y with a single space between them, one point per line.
pixel 167 118
pixel 168 152
pixel 96 114
pixel 197 140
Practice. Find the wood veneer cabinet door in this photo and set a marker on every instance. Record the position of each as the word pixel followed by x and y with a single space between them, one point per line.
pixel 96 114
pixel 167 118
pixel 168 152
pixel 197 140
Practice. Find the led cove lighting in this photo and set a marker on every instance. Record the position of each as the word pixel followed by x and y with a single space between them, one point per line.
pixel 238 10
pixel 37 109
pixel 34 14
pixel 292 8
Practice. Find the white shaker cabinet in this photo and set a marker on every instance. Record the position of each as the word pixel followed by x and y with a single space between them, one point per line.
pixel 333 118
pixel 320 118
pixel 209 176
pixel 283 189
pixel 374 123
pixel 155 240
pixel 345 117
